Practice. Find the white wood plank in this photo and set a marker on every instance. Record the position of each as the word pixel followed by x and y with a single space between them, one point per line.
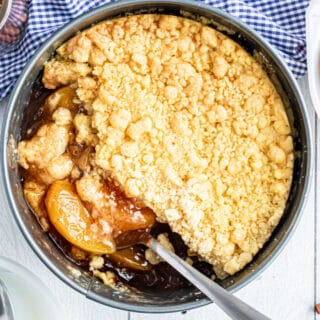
pixel 317 218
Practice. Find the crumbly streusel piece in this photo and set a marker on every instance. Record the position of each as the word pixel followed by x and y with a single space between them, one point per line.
pixel 51 163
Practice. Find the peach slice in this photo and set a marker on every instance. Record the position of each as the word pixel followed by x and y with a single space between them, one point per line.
pixel 121 213
pixel 127 219
pixel 71 219
pixel 63 97
pixel 130 258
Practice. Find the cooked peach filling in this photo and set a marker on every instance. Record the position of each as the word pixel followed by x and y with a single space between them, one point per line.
pixel 157 116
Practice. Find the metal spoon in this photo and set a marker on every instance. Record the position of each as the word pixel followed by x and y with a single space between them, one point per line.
pixel 6 311
pixel 230 304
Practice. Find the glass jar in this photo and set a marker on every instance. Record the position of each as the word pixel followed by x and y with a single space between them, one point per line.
pixel 30 298
pixel 13 20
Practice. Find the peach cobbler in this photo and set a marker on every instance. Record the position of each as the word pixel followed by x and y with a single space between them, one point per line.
pixel 163 124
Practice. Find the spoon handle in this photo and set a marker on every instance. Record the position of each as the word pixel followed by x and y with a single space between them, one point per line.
pixel 230 304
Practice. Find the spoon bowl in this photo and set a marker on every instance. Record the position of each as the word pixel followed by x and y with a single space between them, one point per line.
pixel 231 305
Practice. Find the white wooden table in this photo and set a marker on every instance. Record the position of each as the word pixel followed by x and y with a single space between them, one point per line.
pixel 287 290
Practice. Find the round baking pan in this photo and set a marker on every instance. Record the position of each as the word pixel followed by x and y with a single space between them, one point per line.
pixel 182 299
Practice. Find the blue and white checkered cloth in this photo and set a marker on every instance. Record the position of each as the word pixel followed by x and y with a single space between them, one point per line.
pixel 281 22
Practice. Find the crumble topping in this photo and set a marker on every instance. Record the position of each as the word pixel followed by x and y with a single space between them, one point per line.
pixel 184 119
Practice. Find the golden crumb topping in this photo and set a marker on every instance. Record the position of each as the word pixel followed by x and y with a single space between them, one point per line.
pixel 188 121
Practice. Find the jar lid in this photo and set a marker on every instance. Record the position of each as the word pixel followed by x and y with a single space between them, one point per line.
pixel 5 7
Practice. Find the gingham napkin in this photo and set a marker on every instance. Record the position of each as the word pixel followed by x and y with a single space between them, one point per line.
pixel 281 22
